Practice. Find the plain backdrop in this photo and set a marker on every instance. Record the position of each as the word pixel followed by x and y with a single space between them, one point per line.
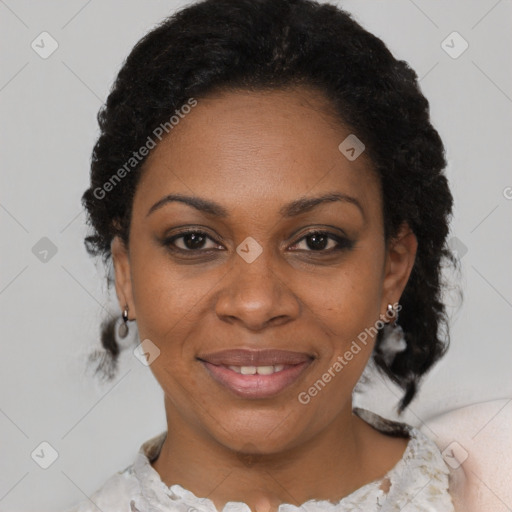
pixel 53 296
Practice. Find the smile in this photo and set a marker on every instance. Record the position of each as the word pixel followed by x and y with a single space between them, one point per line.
pixel 256 382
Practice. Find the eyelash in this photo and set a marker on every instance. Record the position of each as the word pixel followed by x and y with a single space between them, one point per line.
pixel 343 243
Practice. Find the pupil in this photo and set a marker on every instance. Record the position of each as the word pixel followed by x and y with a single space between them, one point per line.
pixel 195 239
pixel 316 238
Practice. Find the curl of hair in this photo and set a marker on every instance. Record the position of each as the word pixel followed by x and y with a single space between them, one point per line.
pixel 228 45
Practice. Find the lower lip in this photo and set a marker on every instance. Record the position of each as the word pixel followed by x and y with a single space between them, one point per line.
pixel 256 386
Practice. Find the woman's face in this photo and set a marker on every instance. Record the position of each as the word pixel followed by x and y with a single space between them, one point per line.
pixel 253 275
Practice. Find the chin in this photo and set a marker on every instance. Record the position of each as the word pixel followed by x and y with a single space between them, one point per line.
pixel 257 431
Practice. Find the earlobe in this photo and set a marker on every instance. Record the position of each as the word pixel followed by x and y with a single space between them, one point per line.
pixel 122 274
pixel 400 259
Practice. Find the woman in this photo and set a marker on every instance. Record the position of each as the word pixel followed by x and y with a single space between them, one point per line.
pixel 271 192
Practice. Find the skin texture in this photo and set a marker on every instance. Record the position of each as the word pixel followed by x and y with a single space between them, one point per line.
pixel 254 152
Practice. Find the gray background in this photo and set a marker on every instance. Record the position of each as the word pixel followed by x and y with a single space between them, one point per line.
pixel 51 309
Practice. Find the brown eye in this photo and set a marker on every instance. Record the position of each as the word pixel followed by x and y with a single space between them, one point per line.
pixel 319 241
pixel 190 241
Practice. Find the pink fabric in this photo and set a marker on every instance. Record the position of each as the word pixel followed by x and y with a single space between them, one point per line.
pixel 476 442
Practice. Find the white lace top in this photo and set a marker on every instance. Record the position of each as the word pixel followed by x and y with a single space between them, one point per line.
pixel 417 483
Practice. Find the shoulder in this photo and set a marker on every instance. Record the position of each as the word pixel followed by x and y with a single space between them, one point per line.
pixel 113 496
pixel 128 489
pixel 476 443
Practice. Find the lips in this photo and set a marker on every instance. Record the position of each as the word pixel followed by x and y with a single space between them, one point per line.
pixel 256 374
pixel 244 357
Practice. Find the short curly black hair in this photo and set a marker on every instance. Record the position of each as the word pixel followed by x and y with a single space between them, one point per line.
pixel 230 45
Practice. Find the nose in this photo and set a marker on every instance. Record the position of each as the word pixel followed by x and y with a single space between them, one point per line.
pixel 256 294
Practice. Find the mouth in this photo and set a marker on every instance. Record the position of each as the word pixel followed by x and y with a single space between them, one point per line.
pixel 256 374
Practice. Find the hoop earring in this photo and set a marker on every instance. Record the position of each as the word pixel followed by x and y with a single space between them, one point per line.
pixel 123 328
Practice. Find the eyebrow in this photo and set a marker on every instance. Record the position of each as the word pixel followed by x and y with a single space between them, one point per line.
pixel 297 207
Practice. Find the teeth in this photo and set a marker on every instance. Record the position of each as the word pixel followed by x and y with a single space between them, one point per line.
pixel 260 370
pixel 265 370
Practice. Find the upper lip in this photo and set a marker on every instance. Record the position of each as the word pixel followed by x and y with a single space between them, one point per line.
pixel 244 357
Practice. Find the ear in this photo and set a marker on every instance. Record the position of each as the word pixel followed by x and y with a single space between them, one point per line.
pixel 123 281
pixel 400 258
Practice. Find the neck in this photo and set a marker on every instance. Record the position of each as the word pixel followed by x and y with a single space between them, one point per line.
pixel 328 466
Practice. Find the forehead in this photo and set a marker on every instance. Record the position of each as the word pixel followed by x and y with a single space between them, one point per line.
pixel 258 148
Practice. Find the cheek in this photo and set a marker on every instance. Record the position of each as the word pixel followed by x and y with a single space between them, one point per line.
pixel 351 299
pixel 347 311
pixel 349 308
pixel 162 297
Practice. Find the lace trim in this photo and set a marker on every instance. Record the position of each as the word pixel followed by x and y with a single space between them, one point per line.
pixel 418 482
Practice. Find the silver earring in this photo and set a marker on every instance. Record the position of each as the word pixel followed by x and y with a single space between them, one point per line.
pixel 392 313
pixel 394 339
pixel 123 327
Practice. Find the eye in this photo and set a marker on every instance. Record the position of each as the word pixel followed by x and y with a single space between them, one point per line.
pixel 190 241
pixel 318 241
